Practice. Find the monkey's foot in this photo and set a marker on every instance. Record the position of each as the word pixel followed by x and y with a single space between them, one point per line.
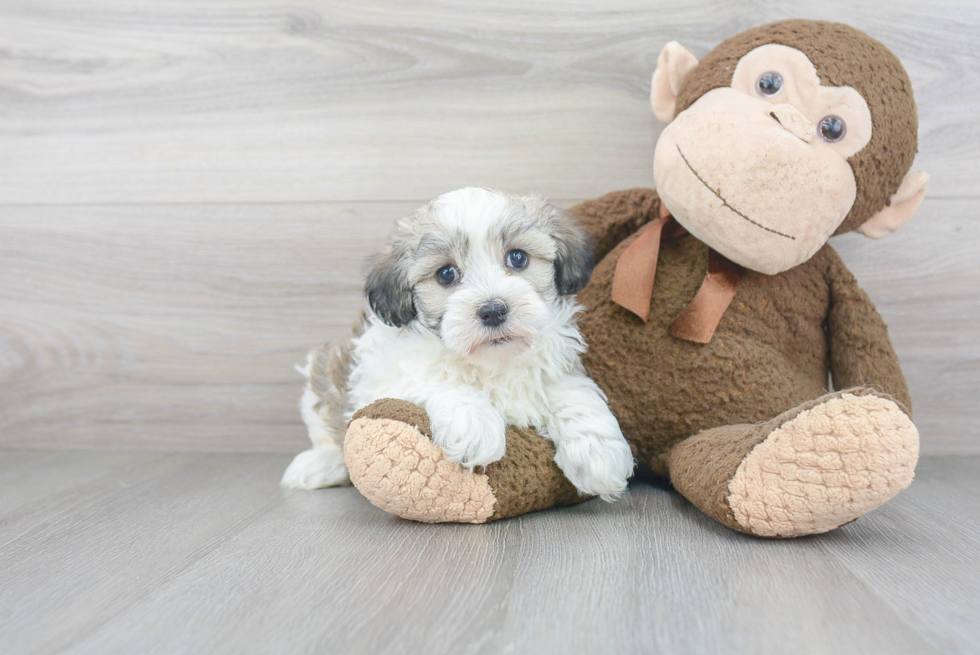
pixel 394 464
pixel 825 467
pixel 809 470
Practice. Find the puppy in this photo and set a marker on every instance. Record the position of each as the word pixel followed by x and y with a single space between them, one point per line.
pixel 473 319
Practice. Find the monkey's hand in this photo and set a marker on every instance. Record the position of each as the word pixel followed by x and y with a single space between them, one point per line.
pixel 861 353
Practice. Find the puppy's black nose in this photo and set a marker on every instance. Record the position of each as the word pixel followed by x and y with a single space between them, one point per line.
pixel 493 313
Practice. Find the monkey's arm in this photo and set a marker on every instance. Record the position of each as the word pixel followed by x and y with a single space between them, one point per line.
pixel 861 353
pixel 611 218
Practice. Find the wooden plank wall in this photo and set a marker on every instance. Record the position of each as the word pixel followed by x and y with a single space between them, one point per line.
pixel 187 189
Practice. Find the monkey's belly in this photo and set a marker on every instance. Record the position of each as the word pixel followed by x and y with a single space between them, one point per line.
pixel 768 355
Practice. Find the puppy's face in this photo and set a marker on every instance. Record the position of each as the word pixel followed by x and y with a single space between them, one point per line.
pixel 481 269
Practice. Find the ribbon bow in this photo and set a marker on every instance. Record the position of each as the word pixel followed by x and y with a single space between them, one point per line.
pixel 632 286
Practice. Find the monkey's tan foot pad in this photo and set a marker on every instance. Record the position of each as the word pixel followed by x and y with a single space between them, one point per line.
pixel 825 467
pixel 398 468
pixel 394 464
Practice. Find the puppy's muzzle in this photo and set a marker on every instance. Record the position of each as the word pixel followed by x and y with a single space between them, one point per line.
pixel 493 313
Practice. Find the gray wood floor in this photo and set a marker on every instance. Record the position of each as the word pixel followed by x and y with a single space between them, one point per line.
pixel 202 553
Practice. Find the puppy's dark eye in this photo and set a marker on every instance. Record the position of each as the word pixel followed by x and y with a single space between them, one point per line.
pixel 447 275
pixel 769 84
pixel 517 259
pixel 832 128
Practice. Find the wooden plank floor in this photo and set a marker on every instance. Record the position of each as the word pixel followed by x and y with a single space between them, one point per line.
pixel 165 553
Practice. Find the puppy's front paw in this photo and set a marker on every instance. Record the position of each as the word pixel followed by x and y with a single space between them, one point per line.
pixel 596 466
pixel 471 433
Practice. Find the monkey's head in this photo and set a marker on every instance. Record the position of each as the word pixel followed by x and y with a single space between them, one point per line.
pixel 783 136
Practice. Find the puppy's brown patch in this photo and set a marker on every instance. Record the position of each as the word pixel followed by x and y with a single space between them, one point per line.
pixel 330 377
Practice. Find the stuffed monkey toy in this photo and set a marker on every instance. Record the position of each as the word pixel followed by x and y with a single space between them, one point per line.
pixel 717 317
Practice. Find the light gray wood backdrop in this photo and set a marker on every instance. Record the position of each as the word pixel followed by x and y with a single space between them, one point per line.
pixel 187 189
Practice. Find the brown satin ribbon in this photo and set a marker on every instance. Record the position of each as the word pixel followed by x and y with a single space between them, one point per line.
pixel 700 319
pixel 632 286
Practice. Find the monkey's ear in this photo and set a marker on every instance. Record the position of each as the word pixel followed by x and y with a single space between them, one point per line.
pixel 900 209
pixel 673 65
pixel 388 291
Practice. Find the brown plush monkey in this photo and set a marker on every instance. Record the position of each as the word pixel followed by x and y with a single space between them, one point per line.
pixel 717 312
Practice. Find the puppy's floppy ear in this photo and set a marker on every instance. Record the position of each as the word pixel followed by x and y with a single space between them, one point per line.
pixel 574 263
pixel 388 290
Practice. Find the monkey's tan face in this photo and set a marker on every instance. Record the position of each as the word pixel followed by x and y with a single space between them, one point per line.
pixel 759 170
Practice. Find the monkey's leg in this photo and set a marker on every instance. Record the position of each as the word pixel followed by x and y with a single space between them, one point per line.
pixel 394 464
pixel 809 470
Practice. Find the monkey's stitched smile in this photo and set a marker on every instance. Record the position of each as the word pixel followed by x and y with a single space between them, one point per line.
pixel 724 203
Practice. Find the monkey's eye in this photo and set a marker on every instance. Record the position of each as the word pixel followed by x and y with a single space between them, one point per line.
pixel 447 275
pixel 769 84
pixel 832 128
pixel 517 259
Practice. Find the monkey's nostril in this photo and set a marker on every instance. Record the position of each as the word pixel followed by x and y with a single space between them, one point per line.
pixel 493 313
pixel 793 121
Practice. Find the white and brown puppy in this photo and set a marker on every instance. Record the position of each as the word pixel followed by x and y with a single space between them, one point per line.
pixel 474 320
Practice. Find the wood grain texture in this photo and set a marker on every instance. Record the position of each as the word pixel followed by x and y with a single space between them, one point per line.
pixel 173 326
pixel 36 486
pixel 187 192
pixel 314 100
pixel 177 326
pixel 203 553
pixel 165 259
pixel 887 554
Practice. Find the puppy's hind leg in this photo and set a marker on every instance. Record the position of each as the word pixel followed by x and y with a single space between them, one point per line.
pixel 325 410
pixel 323 465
